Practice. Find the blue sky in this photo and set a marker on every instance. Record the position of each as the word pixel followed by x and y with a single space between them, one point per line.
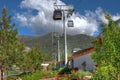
pixel 111 6
pixel 34 17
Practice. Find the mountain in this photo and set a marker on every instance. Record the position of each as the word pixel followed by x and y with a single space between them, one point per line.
pixel 47 44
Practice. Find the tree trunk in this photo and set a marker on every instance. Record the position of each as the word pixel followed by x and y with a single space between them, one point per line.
pixel 1 72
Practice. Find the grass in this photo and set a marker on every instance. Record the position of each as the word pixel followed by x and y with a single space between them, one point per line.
pixel 31 76
pixel 48 74
pixel 36 75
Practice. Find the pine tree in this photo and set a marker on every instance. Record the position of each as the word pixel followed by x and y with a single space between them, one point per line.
pixel 10 48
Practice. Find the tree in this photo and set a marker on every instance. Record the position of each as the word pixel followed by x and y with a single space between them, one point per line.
pixel 107 54
pixel 12 52
pixel 10 48
pixel 32 59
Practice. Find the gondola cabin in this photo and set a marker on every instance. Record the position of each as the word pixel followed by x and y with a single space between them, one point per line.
pixel 57 15
pixel 70 23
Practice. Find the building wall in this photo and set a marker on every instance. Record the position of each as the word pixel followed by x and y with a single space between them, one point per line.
pixel 77 62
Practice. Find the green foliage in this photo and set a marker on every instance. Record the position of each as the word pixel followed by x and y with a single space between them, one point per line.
pixel 74 75
pixel 79 74
pixel 65 70
pixel 12 52
pixel 36 75
pixel 82 73
pixel 107 53
pixel 10 48
pixel 31 76
pixel 63 78
pixel 32 60
pixel 52 66
pixel 48 74
pixel 105 73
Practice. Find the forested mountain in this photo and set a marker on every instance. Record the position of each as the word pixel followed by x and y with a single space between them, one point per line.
pixel 44 43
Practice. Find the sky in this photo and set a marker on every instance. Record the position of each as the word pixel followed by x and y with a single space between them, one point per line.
pixel 34 17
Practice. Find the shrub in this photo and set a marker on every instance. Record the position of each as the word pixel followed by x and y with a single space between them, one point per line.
pixel 82 73
pixel 64 70
pixel 74 75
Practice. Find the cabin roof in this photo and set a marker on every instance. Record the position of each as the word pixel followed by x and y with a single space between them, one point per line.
pixel 79 53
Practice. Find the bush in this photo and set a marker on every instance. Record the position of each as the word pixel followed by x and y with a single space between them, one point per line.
pixel 63 78
pixel 52 66
pixel 105 72
pixel 74 75
pixel 82 73
pixel 64 70
pixel 36 75
pixel 48 74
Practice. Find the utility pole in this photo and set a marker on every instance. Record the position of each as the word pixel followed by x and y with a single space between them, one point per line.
pixel 57 41
pixel 69 10
pixel 58 49
pixel 65 38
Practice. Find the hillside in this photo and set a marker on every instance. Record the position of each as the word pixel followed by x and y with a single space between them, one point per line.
pixel 44 43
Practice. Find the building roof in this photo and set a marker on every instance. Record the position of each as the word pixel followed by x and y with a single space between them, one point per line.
pixel 79 53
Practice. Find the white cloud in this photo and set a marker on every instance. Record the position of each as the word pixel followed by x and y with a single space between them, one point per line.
pixel 116 17
pixel 22 19
pixel 43 23
pixel 101 16
pixel 83 25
